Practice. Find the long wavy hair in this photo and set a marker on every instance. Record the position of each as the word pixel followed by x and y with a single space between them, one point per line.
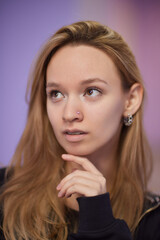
pixel 31 207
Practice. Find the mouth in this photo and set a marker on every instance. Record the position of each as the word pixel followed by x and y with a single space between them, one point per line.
pixel 74 135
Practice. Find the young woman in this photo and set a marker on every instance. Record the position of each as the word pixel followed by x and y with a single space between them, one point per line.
pixel 80 169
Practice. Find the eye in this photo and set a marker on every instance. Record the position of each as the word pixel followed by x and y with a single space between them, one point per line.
pixel 93 91
pixel 54 95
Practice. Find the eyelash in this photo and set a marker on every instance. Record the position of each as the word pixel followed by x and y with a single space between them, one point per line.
pixel 50 93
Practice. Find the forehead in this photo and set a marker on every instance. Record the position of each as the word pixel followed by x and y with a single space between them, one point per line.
pixel 80 62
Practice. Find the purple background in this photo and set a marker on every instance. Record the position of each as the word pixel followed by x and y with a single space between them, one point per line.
pixel 25 25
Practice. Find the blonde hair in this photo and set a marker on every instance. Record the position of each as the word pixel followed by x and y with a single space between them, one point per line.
pixel 32 209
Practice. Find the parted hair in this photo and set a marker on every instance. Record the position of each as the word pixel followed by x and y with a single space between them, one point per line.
pixel 31 207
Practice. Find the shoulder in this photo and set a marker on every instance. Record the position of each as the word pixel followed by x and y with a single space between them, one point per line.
pixel 148 227
pixel 2 176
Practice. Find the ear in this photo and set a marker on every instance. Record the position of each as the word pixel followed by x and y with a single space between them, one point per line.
pixel 134 99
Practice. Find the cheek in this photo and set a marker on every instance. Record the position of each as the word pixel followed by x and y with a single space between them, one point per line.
pixel 49 112
pixel 112 109
pixel 52 116
pixel 108 116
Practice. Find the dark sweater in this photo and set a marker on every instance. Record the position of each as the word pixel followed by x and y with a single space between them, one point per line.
pixel 97 222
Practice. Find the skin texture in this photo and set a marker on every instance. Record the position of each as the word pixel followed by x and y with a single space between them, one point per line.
pixel 83 180
pixel 101 107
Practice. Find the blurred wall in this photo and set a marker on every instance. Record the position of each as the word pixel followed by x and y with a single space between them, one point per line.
pixel 26 24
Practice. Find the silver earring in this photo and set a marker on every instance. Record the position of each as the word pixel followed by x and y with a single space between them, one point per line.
pixel 128 120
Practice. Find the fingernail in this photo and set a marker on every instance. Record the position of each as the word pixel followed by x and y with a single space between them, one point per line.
pixel 60 194
pixel 58 187
pixel 64 155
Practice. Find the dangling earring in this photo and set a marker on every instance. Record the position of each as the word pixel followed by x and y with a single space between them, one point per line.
pixel 128 120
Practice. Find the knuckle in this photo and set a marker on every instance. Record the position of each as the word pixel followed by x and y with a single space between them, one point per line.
pixel 99 178
pixel 72 189
pixel 102 181
pixel 73 179
pixel 76 172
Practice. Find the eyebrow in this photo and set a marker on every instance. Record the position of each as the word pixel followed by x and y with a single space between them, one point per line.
pixel 87 81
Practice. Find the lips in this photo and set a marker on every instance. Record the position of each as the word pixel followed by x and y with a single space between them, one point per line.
pixel 74 135
pixel 74 131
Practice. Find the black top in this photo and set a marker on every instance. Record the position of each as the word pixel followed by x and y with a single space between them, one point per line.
pixel 97 222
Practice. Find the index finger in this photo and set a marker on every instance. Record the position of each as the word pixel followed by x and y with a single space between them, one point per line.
pixel 84 162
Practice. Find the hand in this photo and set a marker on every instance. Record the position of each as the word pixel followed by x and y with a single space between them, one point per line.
pixel 87 182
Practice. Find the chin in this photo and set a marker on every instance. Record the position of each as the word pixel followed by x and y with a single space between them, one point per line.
pixel 78 151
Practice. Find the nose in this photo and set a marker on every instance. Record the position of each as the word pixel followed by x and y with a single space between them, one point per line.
pixel 72 110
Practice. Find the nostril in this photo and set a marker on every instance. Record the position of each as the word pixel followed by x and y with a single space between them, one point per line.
pixel 72 116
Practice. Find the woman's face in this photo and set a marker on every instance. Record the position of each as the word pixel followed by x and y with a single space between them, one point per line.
pixel 84 79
